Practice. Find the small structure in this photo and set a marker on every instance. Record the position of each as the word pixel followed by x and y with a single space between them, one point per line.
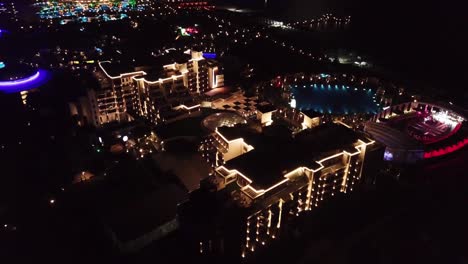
pixel 265 113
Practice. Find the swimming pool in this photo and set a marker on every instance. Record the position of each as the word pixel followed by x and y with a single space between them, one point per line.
pixel 334 99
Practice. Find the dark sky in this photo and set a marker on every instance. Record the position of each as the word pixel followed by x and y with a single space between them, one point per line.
pixel 424 37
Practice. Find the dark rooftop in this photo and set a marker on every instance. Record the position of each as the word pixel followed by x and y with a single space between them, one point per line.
pixel 156 74
pixel 276 153
pixel 238 131
pixel 266 108
pixel 116 69
pixel 311 113
pixel 170 58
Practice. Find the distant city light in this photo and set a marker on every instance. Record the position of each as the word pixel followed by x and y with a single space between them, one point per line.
pixel 125 138
pixel 293 103
pixel 187 32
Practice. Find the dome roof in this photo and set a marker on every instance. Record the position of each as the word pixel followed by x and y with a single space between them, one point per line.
pixel 222 119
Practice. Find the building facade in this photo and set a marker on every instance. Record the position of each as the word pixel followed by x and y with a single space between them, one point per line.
pixel 116 99
pixel 158 94
pixel 262 186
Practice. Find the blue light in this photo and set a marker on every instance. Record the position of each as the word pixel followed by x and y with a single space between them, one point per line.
pixel 209 55
pixel 3 31
pixel 28 83
pixel 2 65
pixel 388 155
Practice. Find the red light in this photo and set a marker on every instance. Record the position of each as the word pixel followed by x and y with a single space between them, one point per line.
pixel 191 30
pixel 446 150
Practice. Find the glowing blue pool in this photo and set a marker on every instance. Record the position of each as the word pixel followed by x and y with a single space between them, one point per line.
pixel 334 99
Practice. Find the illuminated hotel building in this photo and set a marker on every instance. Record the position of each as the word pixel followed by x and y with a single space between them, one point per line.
pixel 269 177
pixel 168 93
pixel 116 99
pixel 197 73
pixel 218 149
pixel 159 93
pixel 215 77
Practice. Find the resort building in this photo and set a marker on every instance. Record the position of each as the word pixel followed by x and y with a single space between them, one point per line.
pixel 225 144
pixel 265 114
pixel 158 93
pixel 113 101
pixel 267 177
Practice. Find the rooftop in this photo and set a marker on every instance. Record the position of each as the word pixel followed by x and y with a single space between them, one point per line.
pixel 392 137
pixel 311 113
pixel 223 119
pixel 276 152
pixel 115 69
pixel 266 108
pixel 172 57
pixel 158 73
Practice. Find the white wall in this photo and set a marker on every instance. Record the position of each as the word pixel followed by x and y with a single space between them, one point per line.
pixel 235 149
